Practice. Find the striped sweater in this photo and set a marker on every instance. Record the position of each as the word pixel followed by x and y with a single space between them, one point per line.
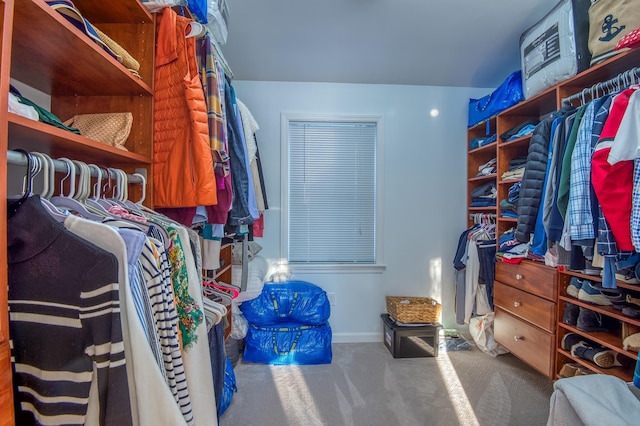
pixel 64 321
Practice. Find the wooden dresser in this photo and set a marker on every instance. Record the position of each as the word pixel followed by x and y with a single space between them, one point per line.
pixel 525 307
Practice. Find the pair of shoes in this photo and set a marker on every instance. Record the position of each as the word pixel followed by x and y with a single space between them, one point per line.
pixel 569 370
pixel 574 286
pixel 580 347
pixel 591 294
pixel 589 320
pixel 570 314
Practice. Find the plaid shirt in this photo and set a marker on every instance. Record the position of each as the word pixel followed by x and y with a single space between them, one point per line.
pixel 580 217
pixel 210 78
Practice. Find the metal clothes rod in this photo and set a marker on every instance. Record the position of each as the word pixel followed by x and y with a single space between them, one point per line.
pixel 19 159
pixel 622 80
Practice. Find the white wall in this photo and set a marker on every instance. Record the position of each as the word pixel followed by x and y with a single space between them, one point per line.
pixel 424 183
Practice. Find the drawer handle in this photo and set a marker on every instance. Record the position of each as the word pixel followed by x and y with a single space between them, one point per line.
pixel 518 338
pixel 518 276
pixel 516 304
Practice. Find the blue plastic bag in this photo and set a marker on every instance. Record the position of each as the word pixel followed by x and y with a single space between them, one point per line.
pixel 291 301
pixel 506 95
pixel 229 387
pixel 288 344
pixel 199 9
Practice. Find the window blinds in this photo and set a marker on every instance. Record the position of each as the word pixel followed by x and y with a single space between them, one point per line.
pixel 332 192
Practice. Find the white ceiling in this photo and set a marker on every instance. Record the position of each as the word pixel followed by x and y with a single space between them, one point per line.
pixel 467 43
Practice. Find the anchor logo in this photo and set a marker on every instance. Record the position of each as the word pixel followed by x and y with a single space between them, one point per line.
pixel 609 29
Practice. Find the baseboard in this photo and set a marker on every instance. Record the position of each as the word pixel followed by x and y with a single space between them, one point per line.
pixel 357 337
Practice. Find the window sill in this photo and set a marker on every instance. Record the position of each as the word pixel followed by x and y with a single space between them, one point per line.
pixel 337 268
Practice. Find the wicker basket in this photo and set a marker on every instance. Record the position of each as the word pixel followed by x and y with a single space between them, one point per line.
pixel 417 310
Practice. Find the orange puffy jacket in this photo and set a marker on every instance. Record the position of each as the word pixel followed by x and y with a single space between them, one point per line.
pixel 183 173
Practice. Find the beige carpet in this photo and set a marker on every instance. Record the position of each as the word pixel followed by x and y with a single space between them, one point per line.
pixel 366 386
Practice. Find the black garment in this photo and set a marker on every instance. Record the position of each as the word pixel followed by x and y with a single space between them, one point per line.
pixel 218 359
pixel 487 270
pixel 64 319
pixel 533 179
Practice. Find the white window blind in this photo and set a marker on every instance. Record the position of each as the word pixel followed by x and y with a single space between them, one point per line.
pixel 332 192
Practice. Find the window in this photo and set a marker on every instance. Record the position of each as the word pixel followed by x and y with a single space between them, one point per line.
pixel 331 190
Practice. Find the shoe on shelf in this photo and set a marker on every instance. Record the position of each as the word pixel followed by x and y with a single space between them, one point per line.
pixel 632 300
pixel 616 296
pixel 589 293
pixel 569 370
pixel 631 311
pixel 627 275
pixel 589 269
pixel 583 371
pixel 589 321
pixel 600 356
pixel 570 314
pixel 574 286
pixel 569 340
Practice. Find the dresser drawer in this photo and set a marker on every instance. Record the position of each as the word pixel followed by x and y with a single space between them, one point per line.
pixel 527 342
pixel 534 309
pixel 529 276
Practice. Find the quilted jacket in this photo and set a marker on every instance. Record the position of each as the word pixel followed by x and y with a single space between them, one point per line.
pixel 533 179
pixel 183 173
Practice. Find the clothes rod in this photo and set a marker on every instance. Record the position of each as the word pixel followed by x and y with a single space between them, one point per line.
pixel 624 79
pixel 19 159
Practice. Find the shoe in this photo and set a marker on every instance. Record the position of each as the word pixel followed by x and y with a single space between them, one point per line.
pixel 569 340
pixel 574 286
pixel 568 370
pixel 589 320
pixel 632 300
pixel 631 311
pixel 589 269
pixel 589 293
pixel 616 296
pixel 598 355
pixel 627 275
pixel 570 315
pixel 583 371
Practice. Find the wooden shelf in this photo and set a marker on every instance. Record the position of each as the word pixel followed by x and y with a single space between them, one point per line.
pixel 68 64
pixel 606 310
pixel 519 143
pixel 509 181
pixel 113 12
pixel 536 106
pixel 483 178
pixel 624 373
pixel 488 148
pixel 482 209
pixel 36 136
pixel 508 219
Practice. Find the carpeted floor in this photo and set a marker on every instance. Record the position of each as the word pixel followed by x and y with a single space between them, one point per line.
pixel 366 386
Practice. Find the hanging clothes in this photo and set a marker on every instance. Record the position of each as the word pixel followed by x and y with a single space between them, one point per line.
pixel 183 172
pixel 63 333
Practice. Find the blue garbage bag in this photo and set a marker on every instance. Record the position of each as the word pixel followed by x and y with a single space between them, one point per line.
pixel 291 301
pixel 229 387
pixel 288 343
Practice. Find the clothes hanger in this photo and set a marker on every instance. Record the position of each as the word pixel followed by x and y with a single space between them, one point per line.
pixel 45 164
pixel 68 202
pixel 135 207
pixel 92 200
pixel 13 207
pixel 196 30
